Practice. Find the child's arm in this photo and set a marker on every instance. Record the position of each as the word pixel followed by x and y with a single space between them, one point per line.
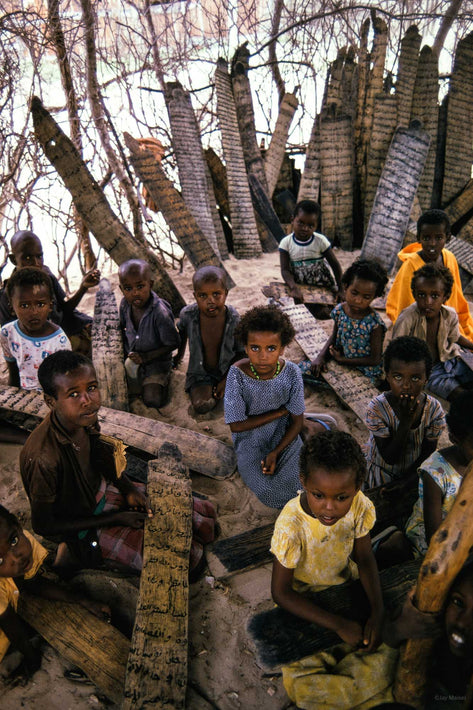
pixel 432 506
pixel 256 420
pixel 293 430
pixel 369 578
pixel 13 373
pixel 17 632
pixel 47 589
pixel 376 348
pixel 286 597
pixel 143 358
pixel 288 277
pixel 318 365
pixel 90 280
pixel 465 343
pixel 177 359
pixel 337 271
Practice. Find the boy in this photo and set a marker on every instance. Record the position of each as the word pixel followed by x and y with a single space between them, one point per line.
pixel 302 254
pixel 437 324
pixel 149 333
pixel 26 250
pixel 433 233
pixel 69 473
pixel 209 325
pixel 27 341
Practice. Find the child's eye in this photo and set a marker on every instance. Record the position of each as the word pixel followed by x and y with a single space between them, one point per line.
pixel 318 496
pixel 415 378
pixel 397 378
pixel 92 388
pixel 14 540
pixel 1 561
pixel 74 395
pixel 254 348
pixel 342 498
pixel 457 602
pixel 271 348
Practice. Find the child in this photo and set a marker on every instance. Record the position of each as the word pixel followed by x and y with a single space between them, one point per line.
pixel 27 341
pixel 441 475
pixel 437 324
pixel 303 253
pixel 322 539
pixel 149 333
pixel 264 406
pixel 404 423
pixel 26 250
pixel 433 233
pixel 358 331
pixel 209 325
pixel 21 558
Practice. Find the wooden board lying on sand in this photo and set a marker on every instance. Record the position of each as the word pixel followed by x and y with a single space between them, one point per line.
pixel 281 637
pixel 200 453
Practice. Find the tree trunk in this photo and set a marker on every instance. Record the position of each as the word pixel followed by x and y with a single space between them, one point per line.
pixel 445 25
pixel 406 74
pixel 93 206
pixel 362 76
pixel 310 182
pixel 274 156
pixel 425 109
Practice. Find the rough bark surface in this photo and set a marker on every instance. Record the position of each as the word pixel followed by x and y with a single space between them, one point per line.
pixel 406 75
pixel 221 242
pixel 425 109
pixel 156 674
pixel 363 77
pixel 274 156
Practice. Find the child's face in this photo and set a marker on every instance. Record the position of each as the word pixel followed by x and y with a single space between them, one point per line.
pixel 78 398
pixel 16 554
pixel 210 297
pixel 136 288
pixel 359 295
pixel 32 306
pixel 406 379
pixel 459 619
pixel 433 238
pixel 304 225
pixel 330 493
pixel 28 252
pixel 429 294
pixel 263 350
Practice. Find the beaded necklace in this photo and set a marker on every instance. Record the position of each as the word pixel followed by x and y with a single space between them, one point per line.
pixel 276 372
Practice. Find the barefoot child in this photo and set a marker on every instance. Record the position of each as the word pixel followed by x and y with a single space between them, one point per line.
pixel 437 324
pixel 322 539
pixel 404 423
pixel 21 558
pixel 358 331
pixel 149 333
pixel 27 341
pixel 209 326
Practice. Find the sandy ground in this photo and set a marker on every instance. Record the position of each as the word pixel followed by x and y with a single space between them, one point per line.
pixel 223 669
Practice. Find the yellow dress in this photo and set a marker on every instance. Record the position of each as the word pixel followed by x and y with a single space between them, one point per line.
pixel 400 296
pixel 9 592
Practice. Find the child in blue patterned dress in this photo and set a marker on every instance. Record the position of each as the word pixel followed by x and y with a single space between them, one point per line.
pixel 358 331
pixel 264 406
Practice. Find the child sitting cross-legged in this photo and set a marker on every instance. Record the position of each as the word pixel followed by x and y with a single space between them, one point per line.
pixel 322 539
pixel 429 319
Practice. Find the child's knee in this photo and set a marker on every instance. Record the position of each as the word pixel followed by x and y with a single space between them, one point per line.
pixel 155 395
pixel 202 399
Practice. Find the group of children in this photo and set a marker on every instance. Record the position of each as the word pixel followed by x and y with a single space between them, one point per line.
pixel 321 537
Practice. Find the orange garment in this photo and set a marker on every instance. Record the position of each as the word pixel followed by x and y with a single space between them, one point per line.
pixel 400 296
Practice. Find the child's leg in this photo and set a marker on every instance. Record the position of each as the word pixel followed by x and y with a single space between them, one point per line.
pixel 155 390
pixel 443 380
pixel 202 398
pixel 392 550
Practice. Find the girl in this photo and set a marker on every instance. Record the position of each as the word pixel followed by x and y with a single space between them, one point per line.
pixel 358 331
pixel 264 406
pixel 441 475
pixel 321 538
pixel 404 423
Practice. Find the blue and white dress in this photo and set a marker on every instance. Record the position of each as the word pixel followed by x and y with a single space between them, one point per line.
pixel 245 397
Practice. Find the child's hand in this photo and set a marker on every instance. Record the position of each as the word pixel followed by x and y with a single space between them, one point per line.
pixel 137 501
pixel 218 391
pixel 415 624
pixel 176 361
pixel 296 292
pixel 407 406
pixel 136 357
pixel 372 633
pixel 268 464
pixel 25 670
pixel 335 353
pixel 91 279
pixel 101 611
pixel 130 518
pixel 340 296
pixel 351 632
pixel 318 366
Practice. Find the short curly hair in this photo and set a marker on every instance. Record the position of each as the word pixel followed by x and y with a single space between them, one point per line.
pixel 431 272
pixel 433 217
pixel 29 276
pixel 368 270
pixel 333 450
pixel 407 348
pixel 265 319
pixel 307 206
pixel 459 419
pixel 61 362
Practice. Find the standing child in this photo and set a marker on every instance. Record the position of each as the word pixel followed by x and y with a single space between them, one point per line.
pixel 358 331
pixel 429 319
pixel 209 325
pixel 27 341
pixel 322 539
pixel 433 233
pixel 149 333
pixel 404 423
pixel 303 253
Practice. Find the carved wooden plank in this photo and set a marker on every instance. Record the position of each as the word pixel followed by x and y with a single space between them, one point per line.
pixel 174 209
pixel 200 453
pixel 395 194
pixel 99 649
pixel 362 77
pixel 274 156
pixel 310 181
pixel 156 674
pixel 264 209
pixel 463 251
pixel 221 241
pixel 107 349
pixel 406 75
pixel 461 205
pixel 92 205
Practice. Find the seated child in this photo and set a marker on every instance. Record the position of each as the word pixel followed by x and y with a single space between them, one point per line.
pixel 322 539
pixel 404 422
pixel 149 333
pixel 358 331
pixel 27 341
pixel 437 324
pixel 209 325
pixel 21 559
pixel 433 233
pixel 441 475
pixel 303 253
pixel 26 250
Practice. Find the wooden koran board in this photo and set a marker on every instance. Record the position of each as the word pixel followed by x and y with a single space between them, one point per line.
pixel 467 357
pixel 312 294
pixel 281 637
pixel 463 252
pixel 200 453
